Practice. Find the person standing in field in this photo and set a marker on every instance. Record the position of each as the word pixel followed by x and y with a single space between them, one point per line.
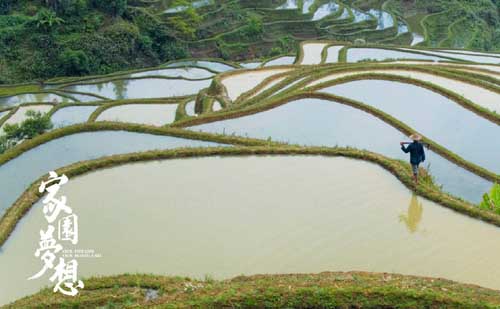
pixel 417 153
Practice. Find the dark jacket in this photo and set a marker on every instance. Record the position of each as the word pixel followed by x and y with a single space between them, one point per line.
pixel 417 153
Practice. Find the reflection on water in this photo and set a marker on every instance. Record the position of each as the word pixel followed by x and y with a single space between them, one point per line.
pixel 321 123
pixel 288 5
pixel 195 4
pixel 323 214
pixel 414 214
pixel 250 65
pixel 152 114
pixel 384 19
pixel 280 61
pixel 360 16
pixel 431 114
pixel 143 88
pixel 325 10
pixel 192 73
pixel 306 4
pixel 212 65
pixel 417 38
pixel 402 27
pixel 72 115
pixel 16 175
pixel 358 54
pixel 32 97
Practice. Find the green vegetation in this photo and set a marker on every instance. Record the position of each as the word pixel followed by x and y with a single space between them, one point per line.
pixel 491 202
pixel 46 39
pixel 324 290
pixel 35 124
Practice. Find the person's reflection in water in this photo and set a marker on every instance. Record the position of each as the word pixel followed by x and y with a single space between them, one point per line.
pixel 414 216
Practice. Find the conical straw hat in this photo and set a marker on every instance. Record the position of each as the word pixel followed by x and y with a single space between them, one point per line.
pixel 416 137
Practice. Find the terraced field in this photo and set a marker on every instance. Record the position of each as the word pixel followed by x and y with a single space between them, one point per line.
pixel 248 29
pixel 255 165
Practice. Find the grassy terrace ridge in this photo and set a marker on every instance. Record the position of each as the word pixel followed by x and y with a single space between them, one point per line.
pixel 398 168
pixel 324 290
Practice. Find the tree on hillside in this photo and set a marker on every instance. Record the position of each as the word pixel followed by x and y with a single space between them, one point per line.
pixel 47 19
pixel 112 7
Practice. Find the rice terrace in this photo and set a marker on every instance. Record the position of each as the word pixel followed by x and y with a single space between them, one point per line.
pixel 254 154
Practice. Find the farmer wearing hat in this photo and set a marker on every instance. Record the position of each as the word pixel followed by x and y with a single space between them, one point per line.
pixel 417 154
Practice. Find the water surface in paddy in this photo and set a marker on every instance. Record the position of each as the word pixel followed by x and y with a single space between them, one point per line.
pixel 306 4
pixel 402 27
pixel 32 97
pixel 384 19
pixel 473 58
pixel 250 65
pixel 72 115
pixel 212 65
pixel 152 114
pixel 321 123
pixel 360 16
pixel 143 88
pixel 358 54
pixel 288 5
pixel 323 214
pixel 16 175
pixel 433 115
pixel 195 4
pixel 192 73
pixel 417 38
pixel 325 10
pixel 280 61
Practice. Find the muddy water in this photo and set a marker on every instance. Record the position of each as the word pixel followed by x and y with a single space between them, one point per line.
pixel 358 54
pixel 18 174
pixel 321 123
pixel 72 115
pixel 312 53
pixel 143 88
pixel 153 114
pixel 432 115
pixel 332 55
pixel 322 214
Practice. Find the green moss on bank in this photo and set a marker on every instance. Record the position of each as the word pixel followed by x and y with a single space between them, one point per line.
pixel 324 290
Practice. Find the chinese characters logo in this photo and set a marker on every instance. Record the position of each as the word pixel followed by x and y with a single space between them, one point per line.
pixel 60 216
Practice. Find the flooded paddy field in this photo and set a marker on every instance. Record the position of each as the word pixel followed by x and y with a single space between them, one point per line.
pixel 72 115
pixel 153 114
pixel 423 110
pixel 314 122
pixel 238 84
pixel 20 115
pixel 32 98
pixel 265 220
pixel 359 54
pixel 17 174
pixel 146 88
